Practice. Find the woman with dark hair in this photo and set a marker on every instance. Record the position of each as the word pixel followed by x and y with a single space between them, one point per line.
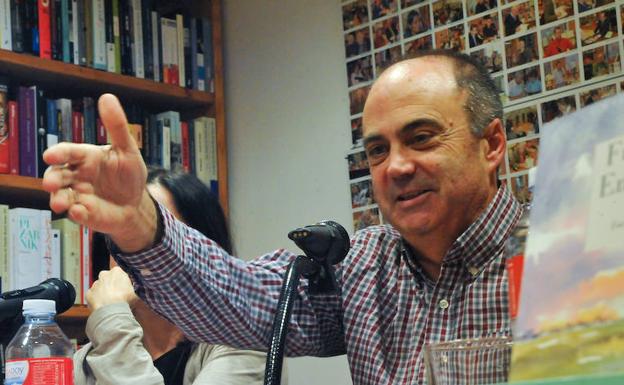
pixel 130 343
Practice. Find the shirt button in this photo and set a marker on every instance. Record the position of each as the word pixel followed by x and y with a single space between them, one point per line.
pixel 473 271
pixel 145 272
pixel 443 304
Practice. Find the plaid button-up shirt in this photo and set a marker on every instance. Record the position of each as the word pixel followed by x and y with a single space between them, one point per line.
pixel 387 309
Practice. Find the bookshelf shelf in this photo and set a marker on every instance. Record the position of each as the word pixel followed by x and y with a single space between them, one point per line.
pixel 77 79
pixel 23 191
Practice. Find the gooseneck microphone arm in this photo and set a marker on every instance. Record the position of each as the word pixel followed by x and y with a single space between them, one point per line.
pixel 325 244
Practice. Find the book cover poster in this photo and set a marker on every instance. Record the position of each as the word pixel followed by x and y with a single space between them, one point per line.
pixel 571 318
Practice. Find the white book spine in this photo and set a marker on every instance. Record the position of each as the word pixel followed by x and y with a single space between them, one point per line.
pixel 99 34
pixel 137 33
pixel 166 147
pixel 55 236
pixel 85 255
pixel 45 231
pixel 6 41
pixel 4 247
pixel 201 150
pixel 74 31
pixel 180 43
pixel 24 247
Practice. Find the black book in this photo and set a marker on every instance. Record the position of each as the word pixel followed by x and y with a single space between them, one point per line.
pixel 17 32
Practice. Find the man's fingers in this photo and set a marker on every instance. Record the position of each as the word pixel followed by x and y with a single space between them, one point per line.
pixel 66 153
pixel 58 177
pixel 114 119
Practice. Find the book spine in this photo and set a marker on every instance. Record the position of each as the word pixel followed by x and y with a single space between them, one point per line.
pixel 64 106
pixel 194 51
pixel 77 127
pixel 31 29
pixel 45 45
pixel 98 30
pixel 110 36
pixel 45 250
pixel 180 45
pixel 28 133
pixel 89 32
pixel 52 123
pixel 185 147
pixel 17 33
pixel 65 14
pixel 14 158
pixel 116 35
pixel 191 135
pixel 6 39
pixel 41 129
pixel 53 6
pixel 24 246
pixel 85 261
pixel 55 253
pixel 212 152
pixel 4 128
pixel 146 23
pixel 186 44
pixel 208 54
pixel 137 39
pixel 4 247
pixel 70 253
pixel 82 32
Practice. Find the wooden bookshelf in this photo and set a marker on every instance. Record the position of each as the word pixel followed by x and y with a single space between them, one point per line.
pixel 64 80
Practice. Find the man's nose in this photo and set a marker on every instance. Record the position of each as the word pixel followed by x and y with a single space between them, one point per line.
pixel 400 163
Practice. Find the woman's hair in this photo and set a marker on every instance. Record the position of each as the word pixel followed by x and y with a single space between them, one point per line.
pixel 198 206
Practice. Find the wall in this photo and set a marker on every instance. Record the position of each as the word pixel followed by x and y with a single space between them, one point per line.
pixel 287 119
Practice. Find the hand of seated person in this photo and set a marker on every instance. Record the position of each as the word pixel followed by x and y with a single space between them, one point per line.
pixel 112 286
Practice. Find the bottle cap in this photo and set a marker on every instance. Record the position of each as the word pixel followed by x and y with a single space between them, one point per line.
pixel 38 306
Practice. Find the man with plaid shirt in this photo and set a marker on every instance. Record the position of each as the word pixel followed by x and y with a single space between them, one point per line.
pixel 434 141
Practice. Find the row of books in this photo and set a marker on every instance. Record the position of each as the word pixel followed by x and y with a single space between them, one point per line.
pixel 128 37
pixel 34 248
pixel 30 123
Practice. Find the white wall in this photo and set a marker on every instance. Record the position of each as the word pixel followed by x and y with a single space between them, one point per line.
pixel 288 132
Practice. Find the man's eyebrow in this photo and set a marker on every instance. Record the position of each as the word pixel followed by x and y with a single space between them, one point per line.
pixel 371 138
pixel 409 127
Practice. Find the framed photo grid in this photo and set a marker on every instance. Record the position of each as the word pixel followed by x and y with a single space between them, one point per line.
pixel 548 58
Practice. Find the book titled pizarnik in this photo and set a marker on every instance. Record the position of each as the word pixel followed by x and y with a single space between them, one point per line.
pixel 571 318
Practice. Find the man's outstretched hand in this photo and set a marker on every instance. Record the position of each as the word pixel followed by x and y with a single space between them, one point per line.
pixel 103 187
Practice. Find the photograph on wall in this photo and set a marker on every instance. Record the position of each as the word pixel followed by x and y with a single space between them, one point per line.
pixel 595 94
pixel 386 32
pixel 520 188
pixel 601 61
pixel 451 38
pixel 483 30
pixel 360 71
pixel 553 10
pixel 475 7
pixel 559 38
pixel 522 155
pixel 562 72
pixel 524 82
pixel 357 98
pixel 356 131
pixel 557 108
pixel 358 165
pixel 381 8
pixel 357 42
pixel 354 14
pixel 385 58
pixel 519 18
pixel 490 56
pixel 363 219
pixel 416 21
pixel 587 5
pixel 415 45
pixel 447 11
pixel 361 194
pixel 521 122
pixel 598 26
pixel 521 50
pixel 409 3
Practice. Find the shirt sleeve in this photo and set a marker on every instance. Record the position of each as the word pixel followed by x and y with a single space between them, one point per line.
pixel 219 299
pixel 223 365
pixel 115 355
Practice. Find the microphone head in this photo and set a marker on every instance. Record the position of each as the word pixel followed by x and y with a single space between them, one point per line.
pixel 341 244
pixel 65 293
pixel 326 241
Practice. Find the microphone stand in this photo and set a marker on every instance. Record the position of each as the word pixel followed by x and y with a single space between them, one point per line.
pixel 324 244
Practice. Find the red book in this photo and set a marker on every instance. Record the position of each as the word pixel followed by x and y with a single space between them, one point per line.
pixel 14 163
pixel 186 147
pixel 45 47
pixel 77 127
pixel 4 131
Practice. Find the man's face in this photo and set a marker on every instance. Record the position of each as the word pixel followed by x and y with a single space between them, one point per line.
pixel 558 33
pixel 429 172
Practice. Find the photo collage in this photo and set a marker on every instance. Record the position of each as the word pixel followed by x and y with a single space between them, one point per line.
pixel 548 58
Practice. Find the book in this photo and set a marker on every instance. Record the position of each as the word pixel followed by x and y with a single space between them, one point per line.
pixel 170 61
pixel 65 31
pixel 17 27
pixel 571 313
pixel 171 119
pixel 98 33
pixel 43 18
pixel 6 40
pixel 14 158
pixel 179 19
pixel 26 246
pixel 4 127
pixel 137 39
pixel 4 247
pixel 86 274
pixel 28 131
pixel 70 253
pixel 116 35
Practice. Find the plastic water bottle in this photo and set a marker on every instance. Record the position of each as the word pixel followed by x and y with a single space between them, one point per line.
pixel 39 353
pixel 514 253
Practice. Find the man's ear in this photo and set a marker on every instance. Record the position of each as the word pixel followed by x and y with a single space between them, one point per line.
pixel 495 144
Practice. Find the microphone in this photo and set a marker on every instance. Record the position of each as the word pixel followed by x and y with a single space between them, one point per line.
pixel 326 242
pixel 59 290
